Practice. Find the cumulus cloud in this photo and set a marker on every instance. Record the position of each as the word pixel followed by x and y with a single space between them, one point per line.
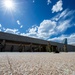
pixel 43 31
pixel 4 29
pixel 57 7
pixel 18 22
pixel 70 38
pixel 48 2
pixel 0 25
pixel 21 26
pixel 13 31
pixel 32 32
pixel 58 39
pixel 63 15
pixel 9 30
pixel 56 25
pixel 46 29
pixel 63 26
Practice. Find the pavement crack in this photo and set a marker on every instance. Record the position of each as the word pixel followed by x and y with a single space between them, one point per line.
pixel 10 65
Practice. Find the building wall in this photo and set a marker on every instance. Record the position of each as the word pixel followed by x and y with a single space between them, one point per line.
pixel 26 48
pixel 71 48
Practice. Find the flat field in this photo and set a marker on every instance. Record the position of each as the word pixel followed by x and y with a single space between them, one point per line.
pixel 37 63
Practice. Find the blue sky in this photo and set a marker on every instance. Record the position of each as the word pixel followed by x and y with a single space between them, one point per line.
pixel 45 19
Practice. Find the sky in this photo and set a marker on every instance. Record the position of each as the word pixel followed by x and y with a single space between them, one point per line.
pixel 52 20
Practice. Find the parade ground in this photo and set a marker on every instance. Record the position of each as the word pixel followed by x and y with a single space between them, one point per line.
pixel 37 63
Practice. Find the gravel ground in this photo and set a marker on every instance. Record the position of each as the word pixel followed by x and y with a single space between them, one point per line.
pixel 37 63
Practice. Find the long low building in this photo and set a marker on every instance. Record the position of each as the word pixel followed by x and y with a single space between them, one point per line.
pixel 15 43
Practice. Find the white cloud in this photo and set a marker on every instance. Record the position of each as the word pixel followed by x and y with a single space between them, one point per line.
pixel 63 25
pixel 48 28
pixel 48 2
pixel 57 7
pixel 32 32
pixel 21 26
pixel 0 25
pixel 18 22
pixel 13 31
pixel 33 29
pixel 0 30
pixel 58 39
pixel 4 29
pixel 70 38
pixel 62 15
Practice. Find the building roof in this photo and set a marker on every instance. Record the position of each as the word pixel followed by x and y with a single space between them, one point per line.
pixel 25 39
pixel 19 38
